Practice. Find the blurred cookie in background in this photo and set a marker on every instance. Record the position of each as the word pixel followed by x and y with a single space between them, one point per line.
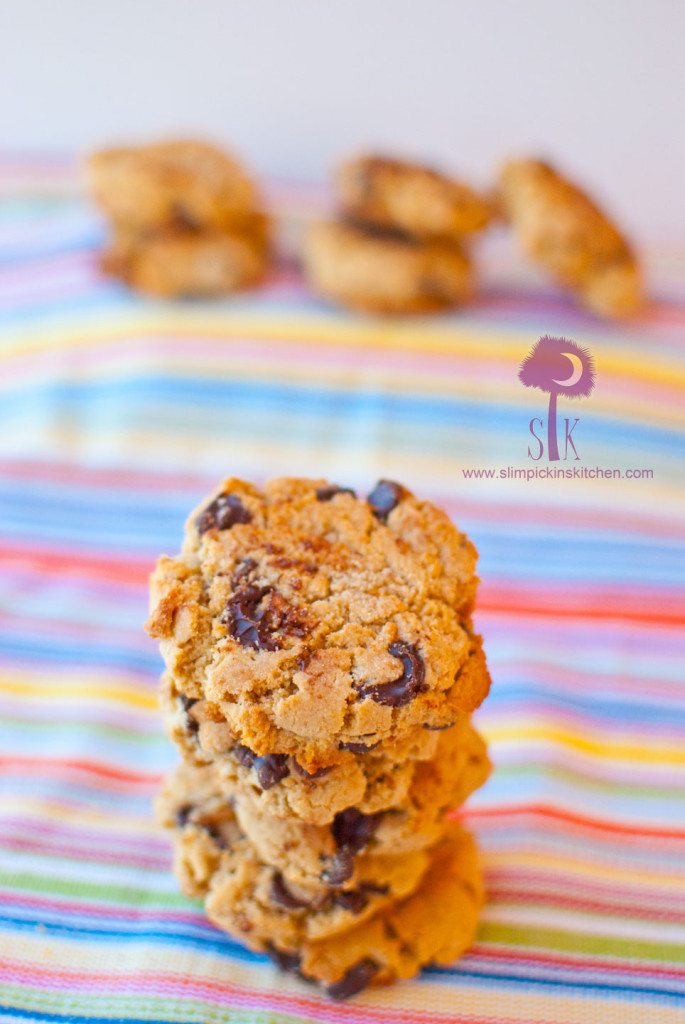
pixel 187 219
pixel 401 241
pixel 418 200
pixel 172 184
pixel 182 262
pixel 562 230
pixel 383 271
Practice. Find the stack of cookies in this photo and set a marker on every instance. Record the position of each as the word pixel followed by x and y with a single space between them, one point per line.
pixel 186 218
pixel 321 670
pixel 401 242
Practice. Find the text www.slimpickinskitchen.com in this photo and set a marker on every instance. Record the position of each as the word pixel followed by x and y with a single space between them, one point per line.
pixel 557 473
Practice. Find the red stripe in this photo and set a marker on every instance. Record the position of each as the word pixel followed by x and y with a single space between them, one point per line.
pixel 495 814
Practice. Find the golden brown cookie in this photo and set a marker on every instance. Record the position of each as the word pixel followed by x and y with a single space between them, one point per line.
pixel 312 620
pixel 383 271
pixel 182 262
pixel 411 198
pixel 562 230
pixel 212 852
pixel 173 184
pixel 371 780
pixel 346 939
pixel 325 853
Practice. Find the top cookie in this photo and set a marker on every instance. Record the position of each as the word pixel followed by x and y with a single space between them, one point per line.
pixel 411 198
pixel 172 184
pixel 315 622
pixel 566 233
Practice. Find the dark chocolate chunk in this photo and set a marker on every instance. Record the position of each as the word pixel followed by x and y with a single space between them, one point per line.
pixel 354 900
pixel 225 511
pixel 354 980
pixel 183 813
pixel 214 833
pixel 192 725
pixel 258 617
pixel 286 961
pixel 244 755
pixel 281 894
pixel 249 620
pixel 385 496
pixel 326 493
pixel 359 748
pixel 352 830
pixel 271 769
pixel 340 867
pixel 408 685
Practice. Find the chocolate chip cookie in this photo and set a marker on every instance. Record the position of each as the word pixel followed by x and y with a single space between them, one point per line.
pixel 175 184
pixel 344 939
pixel 409 197
pixel 371 779
pixel 178 262
pixel 315 622
pixel 563 230
pixel 383 270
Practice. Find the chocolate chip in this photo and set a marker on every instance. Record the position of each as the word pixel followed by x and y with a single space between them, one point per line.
pixel 355 900
pixel 359 748
pixel 192 725
pixel 271 769
pixel 353 830
pixel 214 833
pixel 248 621
pixel 330 491
pixel 281 894
pixel 221 514
pixel 304 774
pixel 182 814
pixel 408 685
pixel 354 980
pixel 385 496
pixel 286 961
pixel 258 617
pixel 340 867
pixel 244 755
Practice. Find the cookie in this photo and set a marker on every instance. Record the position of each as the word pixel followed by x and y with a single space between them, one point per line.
pixel 279 786
pixel 408 197
pixel 179 262
pixel 561 229
pixel 314 621
pixel 328 853
pixel 384 271
pixel 344 949
pixel 212 853
pixel 185 183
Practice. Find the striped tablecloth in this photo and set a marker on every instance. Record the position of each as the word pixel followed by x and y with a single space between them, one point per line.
pixel 117 413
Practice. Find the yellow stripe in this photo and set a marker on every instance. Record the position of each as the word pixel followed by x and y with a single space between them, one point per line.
pixel 425 337
pixel 510 860
pixel 59 690
pixel 604 748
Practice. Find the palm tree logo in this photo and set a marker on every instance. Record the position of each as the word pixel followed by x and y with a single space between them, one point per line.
pixel 547 367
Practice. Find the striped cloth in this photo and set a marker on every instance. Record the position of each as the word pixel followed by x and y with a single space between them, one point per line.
pixel 117 414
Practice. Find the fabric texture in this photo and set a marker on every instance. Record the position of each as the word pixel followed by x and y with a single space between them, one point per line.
pixel 118 413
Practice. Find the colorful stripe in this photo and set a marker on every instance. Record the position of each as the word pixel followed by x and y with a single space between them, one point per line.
pixel 117 414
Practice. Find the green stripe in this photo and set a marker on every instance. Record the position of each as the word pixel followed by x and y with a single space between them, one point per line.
pixel 123 895
pixel 530 936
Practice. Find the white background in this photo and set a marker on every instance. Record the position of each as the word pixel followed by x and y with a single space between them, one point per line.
pixel 294 84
